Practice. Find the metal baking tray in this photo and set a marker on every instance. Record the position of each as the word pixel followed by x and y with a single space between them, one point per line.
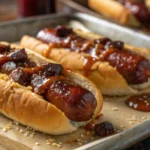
pixel 134 125
pixel 12 31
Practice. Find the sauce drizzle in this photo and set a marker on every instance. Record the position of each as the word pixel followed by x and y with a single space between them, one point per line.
pixel 139 102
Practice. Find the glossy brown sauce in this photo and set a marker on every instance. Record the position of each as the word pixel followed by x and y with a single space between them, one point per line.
pixel 134 68
pixel 89 126
pixel 88 63
pixel 139 102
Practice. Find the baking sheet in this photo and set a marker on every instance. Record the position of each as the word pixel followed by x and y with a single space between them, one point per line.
pixel 132 126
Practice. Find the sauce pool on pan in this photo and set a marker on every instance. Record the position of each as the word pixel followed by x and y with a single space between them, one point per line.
pixel 139 102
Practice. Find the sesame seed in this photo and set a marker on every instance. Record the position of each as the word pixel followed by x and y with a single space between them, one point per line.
pixel 37 143
pixel 115 108
pixel 17 129
pixel 55 144
pixel 82 135
pixel 4 129
pixel 92 138
pixel 131 122
pixel 78 140
pixel 17 123
pixel 51 140
pixel 48 143
pixel 60 143
pixel 87 133
pixel 144 117
pixel 31 136
pixel 25 134
pixel 80 143
pixel 21 131
pixel 10 123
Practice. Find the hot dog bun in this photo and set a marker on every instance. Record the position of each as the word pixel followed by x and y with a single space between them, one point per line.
pixel 114 10
pixel 21 104
pixel 108 79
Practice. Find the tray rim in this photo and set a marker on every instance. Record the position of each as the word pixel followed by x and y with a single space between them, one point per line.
pixel 90 12
pixel 69 16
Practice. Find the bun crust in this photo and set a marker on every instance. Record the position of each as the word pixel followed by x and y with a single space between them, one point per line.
pixel 21 104
pixel 114 10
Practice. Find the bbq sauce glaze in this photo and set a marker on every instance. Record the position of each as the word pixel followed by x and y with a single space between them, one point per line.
pixel 133 67
pixel 139 9
pixel 48 80
pixel 139 102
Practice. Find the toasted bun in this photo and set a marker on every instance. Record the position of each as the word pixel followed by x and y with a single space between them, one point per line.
pixel 21 104
pixel 114 10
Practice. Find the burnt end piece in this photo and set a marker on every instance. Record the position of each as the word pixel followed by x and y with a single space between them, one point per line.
pixel 104 129
pixel 62 31
pixel 19 55
pixel 4 48
pixel 52 69
pixel 19 76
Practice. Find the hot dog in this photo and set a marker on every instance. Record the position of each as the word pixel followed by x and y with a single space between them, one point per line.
pixel 43 94
pixel 115 68
pixel 127 12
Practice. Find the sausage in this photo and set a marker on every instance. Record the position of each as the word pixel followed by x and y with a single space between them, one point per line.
pixel 134 68
pixel 139 9
pixel 18 75
pixel 77 103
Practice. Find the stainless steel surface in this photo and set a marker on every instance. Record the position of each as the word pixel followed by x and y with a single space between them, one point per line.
pixel 13 30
